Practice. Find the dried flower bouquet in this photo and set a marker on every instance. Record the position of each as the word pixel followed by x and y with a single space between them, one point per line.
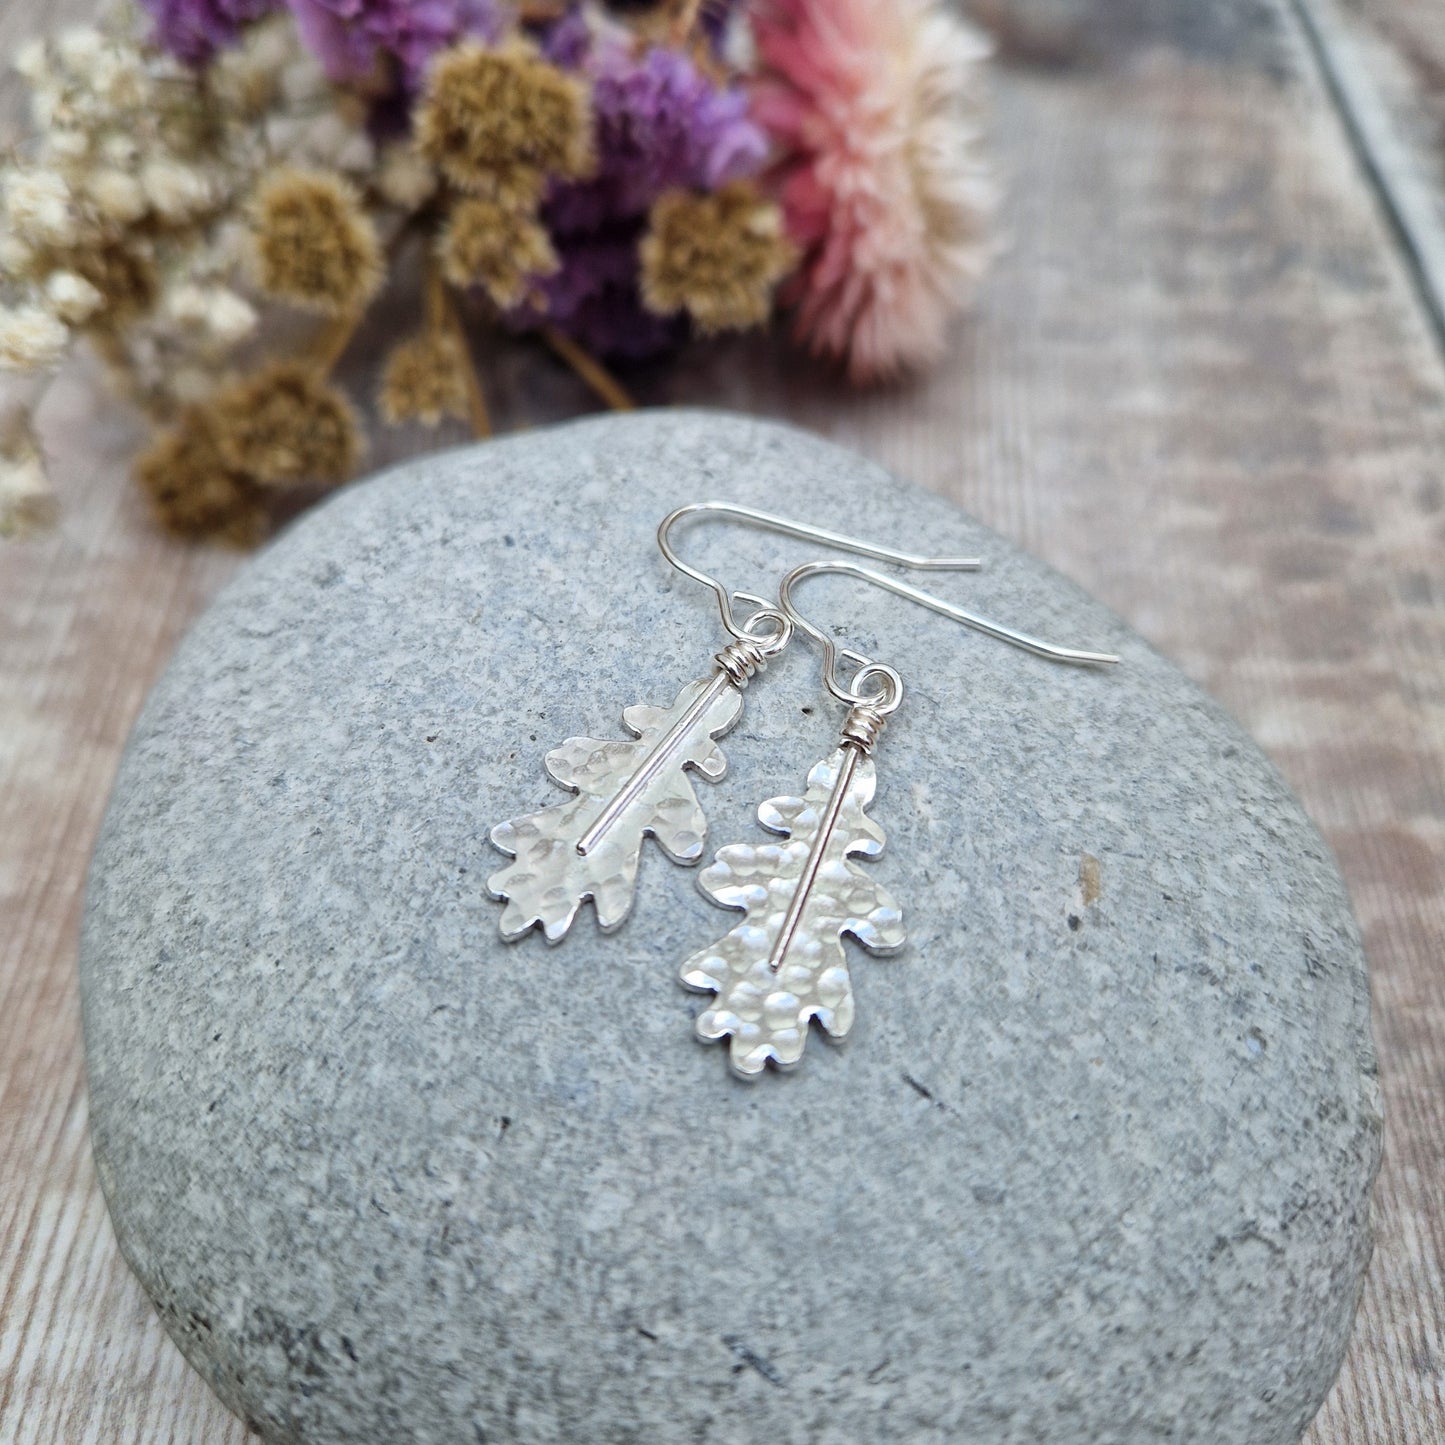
pixel 617 180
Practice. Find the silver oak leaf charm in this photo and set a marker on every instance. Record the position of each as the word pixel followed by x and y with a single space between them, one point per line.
pixel 784 963
pixel 590 846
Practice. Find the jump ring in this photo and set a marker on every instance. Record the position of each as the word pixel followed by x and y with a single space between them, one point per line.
pixel 884 699
pixel 773 639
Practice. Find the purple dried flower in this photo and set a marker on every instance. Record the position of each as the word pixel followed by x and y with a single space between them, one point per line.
pixel 593 297
pixel 351 36
pixel 568 41
pixel 661 124
pixel 194 30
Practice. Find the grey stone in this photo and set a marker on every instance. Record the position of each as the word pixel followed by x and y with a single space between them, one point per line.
pixel 1093 1166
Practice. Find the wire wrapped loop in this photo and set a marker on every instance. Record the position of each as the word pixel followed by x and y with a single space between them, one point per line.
pixel 742 660
pixel 862 726
pixel 763 636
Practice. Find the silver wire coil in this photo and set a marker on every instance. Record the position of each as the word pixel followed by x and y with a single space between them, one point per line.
pixel 742 660
pixel 862 727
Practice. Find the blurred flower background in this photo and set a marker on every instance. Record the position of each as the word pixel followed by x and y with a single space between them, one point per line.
pixel 212 193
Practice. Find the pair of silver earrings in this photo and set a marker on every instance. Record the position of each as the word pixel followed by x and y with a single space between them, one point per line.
pixel 783 964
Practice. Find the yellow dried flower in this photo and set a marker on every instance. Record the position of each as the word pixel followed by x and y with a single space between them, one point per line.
pixel 500 120
pixel 192 492
pixel 285 425
pixel 315 245
pixel 518 188
pixel 717 257
pixel 424 380
pixel 490 245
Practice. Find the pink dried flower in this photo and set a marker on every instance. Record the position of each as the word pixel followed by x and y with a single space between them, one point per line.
pixel 874 106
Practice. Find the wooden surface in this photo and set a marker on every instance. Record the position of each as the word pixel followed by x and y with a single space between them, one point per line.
pixel 1203 381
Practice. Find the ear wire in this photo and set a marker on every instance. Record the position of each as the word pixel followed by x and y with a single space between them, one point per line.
pixel 854 695
pixel 784 526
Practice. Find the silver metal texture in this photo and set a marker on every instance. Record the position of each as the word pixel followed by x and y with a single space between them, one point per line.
pixel 551 875
pixel 784 963
pixel 590 847
pixel 655 763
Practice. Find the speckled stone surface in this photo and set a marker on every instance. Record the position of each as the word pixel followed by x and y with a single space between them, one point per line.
pixel 1092 1167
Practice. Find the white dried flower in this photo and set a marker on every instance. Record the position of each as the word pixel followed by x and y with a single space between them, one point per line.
pixel 248 78
pixel 283 134
pixel 16 258
pixel 240 87
pixel 217 312
pixel 26 498
pixel 68 144
pixel 72 298
pixel 119 148
pixel 304 79
pixel 331 141
pixel 228 246
pixel 27 502
pixel 121 81
pixel 38 205
pixel 45 101
pixel 117 196
pixel 31 339
pixel 405 178
pixel 186 304
pixel 275 44
pixel 176 191
pixel 272 43
pixel 231 318
pixel 167 69
pixel 80 48
pixel 32 61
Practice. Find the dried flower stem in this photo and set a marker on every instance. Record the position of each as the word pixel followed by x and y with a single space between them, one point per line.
pixel 438 308
pixel 334 338
pixel 589 369
pixel 477 412
pixel 685 21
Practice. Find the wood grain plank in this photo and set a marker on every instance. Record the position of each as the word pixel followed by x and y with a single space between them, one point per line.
pixel 1380 107
pixel 1402 47
pixel 89 614
pixel 1199 381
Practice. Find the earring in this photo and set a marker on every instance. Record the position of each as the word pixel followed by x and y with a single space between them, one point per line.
pixel 784 963
pixel 626 790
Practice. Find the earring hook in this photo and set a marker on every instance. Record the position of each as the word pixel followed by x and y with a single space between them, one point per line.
pixel 892 692
pixel 803 531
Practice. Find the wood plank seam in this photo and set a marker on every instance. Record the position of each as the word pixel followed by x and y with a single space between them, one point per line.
pixel 1402 194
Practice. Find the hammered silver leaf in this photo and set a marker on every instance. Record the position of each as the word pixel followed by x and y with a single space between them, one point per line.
pixel 765 1013
pixel 549 880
